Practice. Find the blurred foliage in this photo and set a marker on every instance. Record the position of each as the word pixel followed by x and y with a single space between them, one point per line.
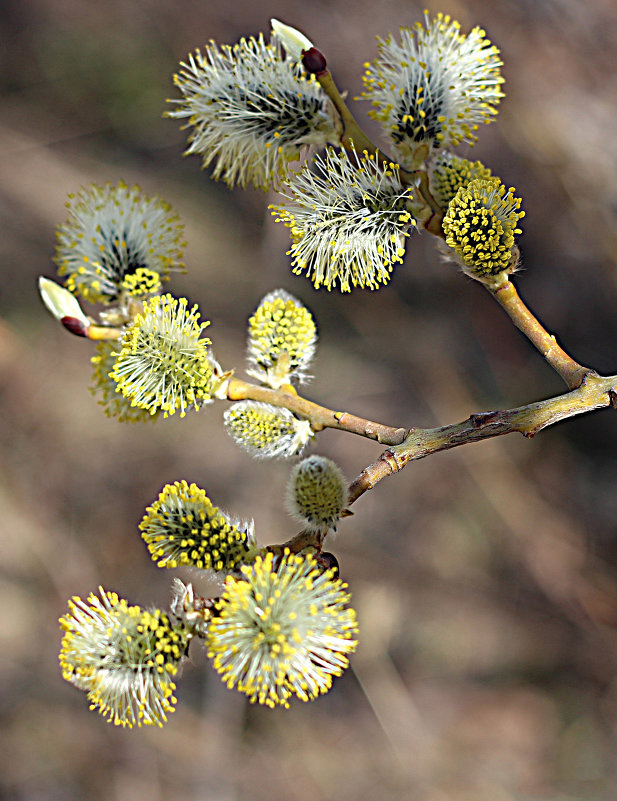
pixel 116 89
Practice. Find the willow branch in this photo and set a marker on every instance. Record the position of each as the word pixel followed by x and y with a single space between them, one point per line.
pixel 595 392
pixel 319 416
pixel 510 301
pixel 406 445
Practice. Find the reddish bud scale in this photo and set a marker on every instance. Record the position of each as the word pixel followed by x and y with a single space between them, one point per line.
pixel 314 61
pixel 75 326
pixel 328 561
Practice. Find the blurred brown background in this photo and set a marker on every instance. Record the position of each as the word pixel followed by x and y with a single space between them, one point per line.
pixel 485 577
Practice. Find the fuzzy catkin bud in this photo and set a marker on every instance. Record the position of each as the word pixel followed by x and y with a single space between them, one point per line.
pixel 449 173
pixel 164 362
pixel 250 110
pixel 281 339
pixel 117 240
pixel 317 493
pixel 282 629
pixel 265 431
pixel 124 657
pixel 434 88
pixel 183 527
pixel 104 388
pixel 348 218
pixel 480 225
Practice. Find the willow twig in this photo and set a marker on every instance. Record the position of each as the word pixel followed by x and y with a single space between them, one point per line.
pixel 352 136
pixel 319 417
pixel 355 139
pixel 570 370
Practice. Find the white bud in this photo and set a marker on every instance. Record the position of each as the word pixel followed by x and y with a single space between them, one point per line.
pixel 60 302
pixel 292 40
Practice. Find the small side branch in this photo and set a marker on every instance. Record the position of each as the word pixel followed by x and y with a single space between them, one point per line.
pixel 354 138
pixel 319 416
pixel 510 301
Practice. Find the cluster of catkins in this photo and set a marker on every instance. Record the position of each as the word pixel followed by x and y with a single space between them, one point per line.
pixel 281 625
